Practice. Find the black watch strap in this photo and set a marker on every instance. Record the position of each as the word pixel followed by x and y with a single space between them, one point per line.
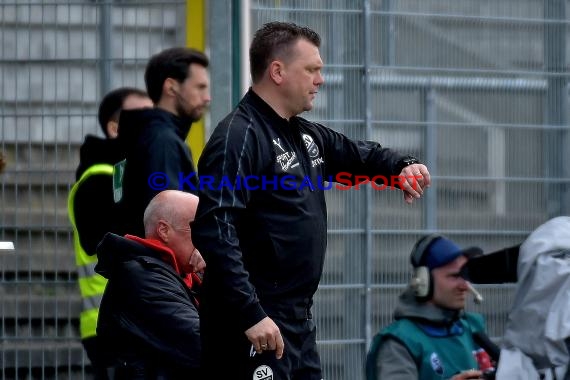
pixel 405 161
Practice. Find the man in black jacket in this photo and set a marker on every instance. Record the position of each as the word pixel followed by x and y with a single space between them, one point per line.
pixel 261 222
pixel 157 156
pixel 92 210
pixel 148 322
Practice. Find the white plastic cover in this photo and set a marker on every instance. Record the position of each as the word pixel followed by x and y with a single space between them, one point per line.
pixel 538 329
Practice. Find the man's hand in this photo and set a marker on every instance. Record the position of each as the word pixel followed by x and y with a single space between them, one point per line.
pixel 472 374
pixel 197 262
pixel 265 336
pixel 417 179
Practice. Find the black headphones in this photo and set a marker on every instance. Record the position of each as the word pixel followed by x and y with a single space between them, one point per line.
pixel 421 281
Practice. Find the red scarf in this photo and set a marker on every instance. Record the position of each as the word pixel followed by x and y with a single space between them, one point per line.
pixel 168 255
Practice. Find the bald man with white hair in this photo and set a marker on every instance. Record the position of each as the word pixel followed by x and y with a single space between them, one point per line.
pixel 148 320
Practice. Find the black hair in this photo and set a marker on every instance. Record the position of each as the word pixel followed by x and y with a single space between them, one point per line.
pixel 112 103
pixel 170 63
pixel 273 40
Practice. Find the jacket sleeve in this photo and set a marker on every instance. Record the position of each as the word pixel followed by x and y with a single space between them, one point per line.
pixel 161 313
pixel 395 362
pixel 228 156
pixel 357 157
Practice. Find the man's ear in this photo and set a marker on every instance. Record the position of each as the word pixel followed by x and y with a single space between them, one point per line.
pixel 169 87
pixel 112 129
pixel 162 229
pixel 276 71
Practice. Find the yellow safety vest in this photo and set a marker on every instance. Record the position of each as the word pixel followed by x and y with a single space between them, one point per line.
pixel 91 284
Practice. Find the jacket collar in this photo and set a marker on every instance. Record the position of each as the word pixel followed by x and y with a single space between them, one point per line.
pixel 131 121
pixel 165 253
pixel 268 112
pixel 114 248
pixel 168 256
pixel 424 312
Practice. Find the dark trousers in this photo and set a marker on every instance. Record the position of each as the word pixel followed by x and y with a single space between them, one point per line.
pixel 95 355
pixel 229 355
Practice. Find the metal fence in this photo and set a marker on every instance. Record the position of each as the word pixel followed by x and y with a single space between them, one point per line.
pixel 57 59
pixel 478 89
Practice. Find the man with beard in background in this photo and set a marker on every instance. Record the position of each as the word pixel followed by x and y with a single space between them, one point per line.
pixel 157 156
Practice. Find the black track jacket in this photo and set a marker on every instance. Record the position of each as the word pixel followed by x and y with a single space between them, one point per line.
pixel 265 246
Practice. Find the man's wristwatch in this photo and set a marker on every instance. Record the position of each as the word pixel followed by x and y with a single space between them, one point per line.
pixel 405 161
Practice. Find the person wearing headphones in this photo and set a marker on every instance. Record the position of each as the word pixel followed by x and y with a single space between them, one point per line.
pixel 432 336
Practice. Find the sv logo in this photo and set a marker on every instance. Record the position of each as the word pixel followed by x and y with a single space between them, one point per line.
pixel 263 372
